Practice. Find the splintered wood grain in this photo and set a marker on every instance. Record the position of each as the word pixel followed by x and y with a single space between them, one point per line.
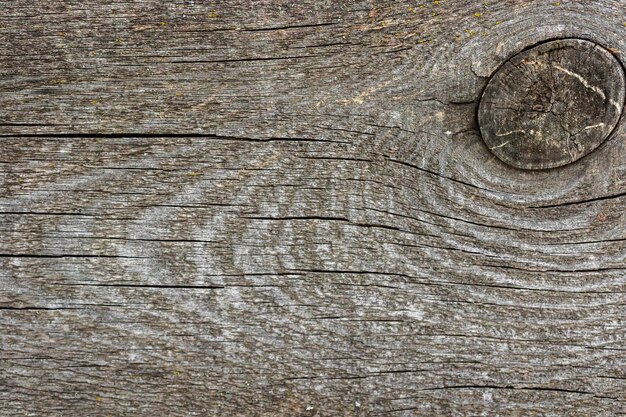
pixel 286 209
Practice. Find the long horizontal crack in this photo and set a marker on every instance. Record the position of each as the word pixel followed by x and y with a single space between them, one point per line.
pixel 162 135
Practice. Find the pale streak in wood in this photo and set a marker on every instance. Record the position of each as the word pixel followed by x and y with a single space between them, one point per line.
pixel 339 241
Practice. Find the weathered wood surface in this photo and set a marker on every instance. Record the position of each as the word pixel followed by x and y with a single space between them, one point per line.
pixel 285 208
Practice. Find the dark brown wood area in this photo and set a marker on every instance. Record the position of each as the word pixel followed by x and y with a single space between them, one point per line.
pixel 552 104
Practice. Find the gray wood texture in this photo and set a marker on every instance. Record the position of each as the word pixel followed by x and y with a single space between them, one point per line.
pixel 552 104
pixel 283 208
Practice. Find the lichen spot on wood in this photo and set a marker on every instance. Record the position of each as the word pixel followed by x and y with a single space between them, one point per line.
pixel 552 104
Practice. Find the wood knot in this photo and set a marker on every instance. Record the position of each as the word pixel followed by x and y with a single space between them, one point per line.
pixel 552 104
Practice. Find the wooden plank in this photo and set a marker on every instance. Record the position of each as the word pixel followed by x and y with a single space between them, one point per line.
pixel 193 276
pixel 275 68
pixel 313 227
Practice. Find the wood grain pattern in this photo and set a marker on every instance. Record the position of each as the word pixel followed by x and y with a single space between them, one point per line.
pixel 287 209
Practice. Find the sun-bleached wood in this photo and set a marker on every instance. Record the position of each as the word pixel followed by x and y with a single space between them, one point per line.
pixel 286 208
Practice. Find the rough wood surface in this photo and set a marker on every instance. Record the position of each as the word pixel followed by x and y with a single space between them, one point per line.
pixel 285 208
pixel 552 104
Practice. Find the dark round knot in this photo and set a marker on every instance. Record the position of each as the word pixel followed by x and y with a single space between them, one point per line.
pixel 552 104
